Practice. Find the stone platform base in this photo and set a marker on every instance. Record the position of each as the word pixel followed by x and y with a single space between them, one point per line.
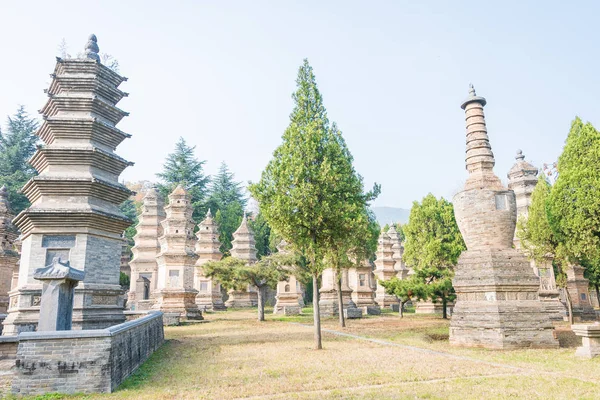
pixel 242 299
pixel 171 319
pixel 287 310
pixel 180 302
pixel 581 314
pixel 353 313
pixel 555 309
pixel 210 303
pixel 501 325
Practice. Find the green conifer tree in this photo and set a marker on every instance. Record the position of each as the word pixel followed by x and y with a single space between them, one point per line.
pixel 309 190
pixel 182 167
pixel 17 145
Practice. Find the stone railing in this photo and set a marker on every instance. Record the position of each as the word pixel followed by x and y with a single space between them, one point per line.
pixel 84 361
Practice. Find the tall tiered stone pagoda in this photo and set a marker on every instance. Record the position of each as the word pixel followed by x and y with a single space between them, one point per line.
pixel 74 214
pixel 289 299
pixel 9 257
pixel 522 179
pixel 398 249
pixel 384 270
pixel 176 261
pixel 144 267
pixel 244 249
pixel 497 302
pixel 207 249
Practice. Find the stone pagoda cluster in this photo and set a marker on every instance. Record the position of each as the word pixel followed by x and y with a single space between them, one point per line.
pixel 522 179
pixel 207 249
pixel 497 304
pixel 144 268
pixel 9 258
pixel 74 215
pixel 175 292
pixel 243 248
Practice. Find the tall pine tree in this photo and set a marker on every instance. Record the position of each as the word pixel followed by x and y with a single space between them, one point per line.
pixel 309 191
pixel 182 167
pixel 17 145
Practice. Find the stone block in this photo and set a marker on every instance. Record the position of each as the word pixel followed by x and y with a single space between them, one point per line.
pixel 353 313
pixel 171 319
pixel 371 310
pixel 590 340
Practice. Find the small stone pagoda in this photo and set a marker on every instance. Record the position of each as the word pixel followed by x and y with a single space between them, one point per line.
pixel 289 299
pixel 243 248
pixel 579 290
pixel 497 302
pixel 74 214
pixel 176 261
pixel 144 267
pixel 384 270
pixel 8 254
pixel 328 295
pixel 522 179
pixel 207 249
pixel 363 295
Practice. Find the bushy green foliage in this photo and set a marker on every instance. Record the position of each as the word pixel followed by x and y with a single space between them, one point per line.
pixel 224 190
pixel 124 280
pixel 182 167
pixel 574 204
pixel 534 232
pixel 235 274
pixel 262 236
pixel 433 245
pixel 17 145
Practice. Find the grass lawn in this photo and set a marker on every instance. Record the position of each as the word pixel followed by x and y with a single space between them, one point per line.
pixel 234 356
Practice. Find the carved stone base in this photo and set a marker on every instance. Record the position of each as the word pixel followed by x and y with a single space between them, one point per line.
pixel 210 302
pixel 353 313
pixel 180 301
pixel 497 303
pixel 242 299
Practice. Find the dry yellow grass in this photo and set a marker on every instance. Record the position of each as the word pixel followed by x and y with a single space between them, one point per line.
pixel 232 356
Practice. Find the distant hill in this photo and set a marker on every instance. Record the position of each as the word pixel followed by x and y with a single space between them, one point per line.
pixel 387 215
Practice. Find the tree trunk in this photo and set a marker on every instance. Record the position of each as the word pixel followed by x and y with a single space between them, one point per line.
pixel 569 306
pixel 261 302
pixel 338 276
pixel 316 312
pixel 400 309
pixel 444 303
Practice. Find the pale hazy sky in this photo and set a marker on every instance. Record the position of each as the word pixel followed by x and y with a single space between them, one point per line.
pixel 392 73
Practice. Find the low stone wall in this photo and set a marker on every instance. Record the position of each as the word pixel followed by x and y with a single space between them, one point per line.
pixel 8 347
pixel 85 361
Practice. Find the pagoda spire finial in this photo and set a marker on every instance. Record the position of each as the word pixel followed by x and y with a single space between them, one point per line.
pixel 91 48
pixel 3 191
pixel 209 214
pixel 519 156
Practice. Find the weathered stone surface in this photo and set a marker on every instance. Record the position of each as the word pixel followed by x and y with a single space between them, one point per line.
pixel 497 303
pixel 590 340
pixel 144 267
pixel 84 361
pixel 243 248
pixel 353 313
pixel 176 260
pixel 74 210
pixel 207 249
